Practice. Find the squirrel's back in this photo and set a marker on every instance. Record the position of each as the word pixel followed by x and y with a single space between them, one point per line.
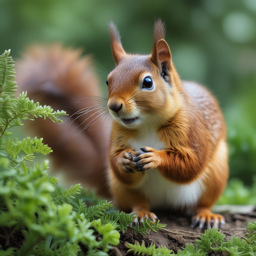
pixel 209 107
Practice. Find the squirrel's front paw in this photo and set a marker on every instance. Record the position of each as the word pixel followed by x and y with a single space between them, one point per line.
pixel 141 216
pixel 126 161
pixel 147 159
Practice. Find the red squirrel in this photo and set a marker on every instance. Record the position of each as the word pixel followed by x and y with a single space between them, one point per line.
pixel 168 140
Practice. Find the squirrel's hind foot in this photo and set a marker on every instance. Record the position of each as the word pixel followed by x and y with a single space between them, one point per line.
pixel 208 219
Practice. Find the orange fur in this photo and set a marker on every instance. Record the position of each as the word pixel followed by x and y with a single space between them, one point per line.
pixel 183 116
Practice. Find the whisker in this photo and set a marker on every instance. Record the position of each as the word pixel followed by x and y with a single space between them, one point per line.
pixel 92 122
pixel 101 117
pixel 89 108
pixel 83 112
pixel 80 110
pixel 88 118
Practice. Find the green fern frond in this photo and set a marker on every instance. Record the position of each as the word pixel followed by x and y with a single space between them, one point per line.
pixel 13 148
pixel 7 90
pixel 7 75
pixel 6 106
pixel 35 145
pixel 89 196
pixel 28 146
pixel 120 219
pixel 148 251
pixel 28 109
pixel 13 111
pixel 97 211
pixel 79 207
pixel 61 195
pixel 144 227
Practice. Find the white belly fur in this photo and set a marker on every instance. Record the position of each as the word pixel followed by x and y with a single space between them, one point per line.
pixel 163 193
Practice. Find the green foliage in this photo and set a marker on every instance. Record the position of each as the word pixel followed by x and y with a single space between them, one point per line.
pixel 251 236
pixel 241 120
pixel 53 220
pixel 211 241
pixel 8 252
pixel 31 201
pixel 61 196
pixel 151 250
pixel 13 111
pixel 147 225
pixel 190 251
pixel 236 193
pixel 119 219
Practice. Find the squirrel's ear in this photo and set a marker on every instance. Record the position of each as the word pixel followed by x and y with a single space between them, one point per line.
pixel 115 41
pixel 161 54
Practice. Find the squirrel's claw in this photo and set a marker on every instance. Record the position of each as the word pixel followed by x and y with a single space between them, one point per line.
pixel 140 167
pixel 147 149
pixel 195 221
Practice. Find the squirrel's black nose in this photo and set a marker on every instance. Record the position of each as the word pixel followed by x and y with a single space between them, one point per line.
pixel 115 107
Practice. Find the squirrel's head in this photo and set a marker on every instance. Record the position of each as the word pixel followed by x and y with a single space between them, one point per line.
pixel 142 89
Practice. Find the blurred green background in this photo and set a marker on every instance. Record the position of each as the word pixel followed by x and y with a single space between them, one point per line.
pixel 213 42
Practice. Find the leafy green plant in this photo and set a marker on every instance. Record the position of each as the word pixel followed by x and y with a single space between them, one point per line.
pixel 49 219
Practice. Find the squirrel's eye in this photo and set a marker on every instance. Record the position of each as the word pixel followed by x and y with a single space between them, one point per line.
pixel 107 82
pixel 147 83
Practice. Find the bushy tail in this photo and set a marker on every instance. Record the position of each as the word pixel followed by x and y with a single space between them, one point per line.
pixel 58 77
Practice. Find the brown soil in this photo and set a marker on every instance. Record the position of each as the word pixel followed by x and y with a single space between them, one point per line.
pixel 178 232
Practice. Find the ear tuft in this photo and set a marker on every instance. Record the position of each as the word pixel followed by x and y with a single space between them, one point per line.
pixel 159 31
pixel 159 34
pixel 115 41
pixel 113 32
pixel 161 54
